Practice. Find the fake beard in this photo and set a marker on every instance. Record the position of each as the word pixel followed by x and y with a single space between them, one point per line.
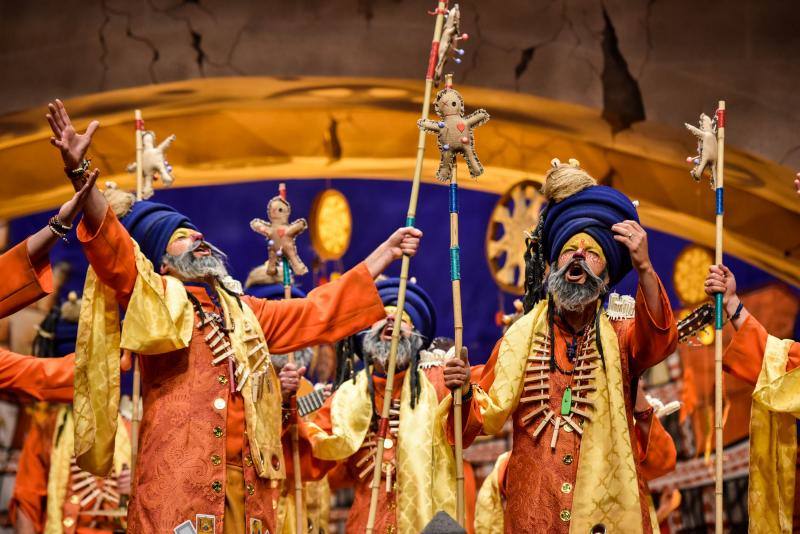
pixel 378 349
pixel 574 297
pixel 187 267
pixel 302 358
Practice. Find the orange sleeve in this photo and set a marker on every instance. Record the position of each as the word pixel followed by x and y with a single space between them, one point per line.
pixel 33 469
pixel 312 468
pixel 657 452
pixel 22 282
pixel 110 253
pixel 329 313
pixel 650 341
pixel 47 379
pixel 744 356
pixel 470 497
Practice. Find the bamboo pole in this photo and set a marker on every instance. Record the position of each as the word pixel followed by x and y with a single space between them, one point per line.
pixel 299 505
pixel 458 335
pixel 718 512
pixel 383 424
pixel 136 416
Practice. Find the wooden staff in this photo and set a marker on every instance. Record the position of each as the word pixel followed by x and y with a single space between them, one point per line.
pixel 298 476
pixel 718 323
pixel 136 416
pixel 383 423
pixel 458 334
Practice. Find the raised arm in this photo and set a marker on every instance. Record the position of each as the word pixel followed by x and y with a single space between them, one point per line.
pixel 694 129
pixel 744 356
pixel 31 378
pixel 477 118
pixel 654 335
pixel 429 126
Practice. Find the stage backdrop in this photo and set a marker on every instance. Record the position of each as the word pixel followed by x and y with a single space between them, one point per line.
pixel 378 207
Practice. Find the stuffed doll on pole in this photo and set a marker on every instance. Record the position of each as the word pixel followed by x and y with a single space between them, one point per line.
pixel 280 236
pixel 455 136
pixel 383 426
pixel 711 153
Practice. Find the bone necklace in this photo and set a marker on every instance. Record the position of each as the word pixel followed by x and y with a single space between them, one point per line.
pixel 575 402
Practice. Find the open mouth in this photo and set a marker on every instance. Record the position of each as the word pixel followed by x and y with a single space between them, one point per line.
pixel 386 333
pixel 575 274
pixel 202 250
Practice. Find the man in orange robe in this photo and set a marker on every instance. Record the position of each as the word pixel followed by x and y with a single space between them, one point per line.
pixel 67 503
pixel 422 380
pixel 745 358
pixel 563 372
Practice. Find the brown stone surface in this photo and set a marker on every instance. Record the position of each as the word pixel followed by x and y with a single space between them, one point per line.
pixel 662 60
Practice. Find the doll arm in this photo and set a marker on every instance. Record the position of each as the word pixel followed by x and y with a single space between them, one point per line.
pixel 477 118
pixel 165 144
pixel 428 126
pixel 260 226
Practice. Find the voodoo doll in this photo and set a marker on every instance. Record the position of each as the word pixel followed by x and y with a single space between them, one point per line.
pixel 455 133
pixel 154 163
pixel 281 235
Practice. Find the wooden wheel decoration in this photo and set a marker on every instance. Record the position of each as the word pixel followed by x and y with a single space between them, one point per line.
pixel 331 225
pixel 516 212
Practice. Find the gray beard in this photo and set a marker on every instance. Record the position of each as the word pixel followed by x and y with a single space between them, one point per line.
pixel 187 267
pixel 378 349
pixel 575 297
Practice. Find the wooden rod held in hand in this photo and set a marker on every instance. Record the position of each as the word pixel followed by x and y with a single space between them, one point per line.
pixel 458 336
pixel 406 262
pixel 136 415
pixel 719 449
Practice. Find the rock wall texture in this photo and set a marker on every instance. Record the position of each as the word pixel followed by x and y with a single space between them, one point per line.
pixel 656 60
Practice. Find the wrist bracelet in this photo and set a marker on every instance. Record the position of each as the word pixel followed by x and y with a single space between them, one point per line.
pixel 468 395
pixel 644 414
pixel 58 228
pixel 80 170
pixel 738 311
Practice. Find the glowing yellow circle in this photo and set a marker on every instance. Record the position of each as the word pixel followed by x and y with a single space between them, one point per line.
pixel 331 225
pixel 689 274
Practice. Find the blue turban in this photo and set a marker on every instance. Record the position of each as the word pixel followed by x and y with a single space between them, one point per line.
pixel 593 210
pixel 418 306
pixel 272 291
pixel 151 225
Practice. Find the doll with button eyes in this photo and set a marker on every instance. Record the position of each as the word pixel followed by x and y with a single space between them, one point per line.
pixel 454 131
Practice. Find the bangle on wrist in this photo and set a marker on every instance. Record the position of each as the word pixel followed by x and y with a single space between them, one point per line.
pixel 60 230
pixel 738 311
pixel 644 414
pixel 80 170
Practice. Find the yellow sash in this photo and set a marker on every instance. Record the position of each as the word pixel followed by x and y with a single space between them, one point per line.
pixel 489 511
pixel 773 441
pixel 606 487
pixel 425 463
pixel 60 460
pixel 159 319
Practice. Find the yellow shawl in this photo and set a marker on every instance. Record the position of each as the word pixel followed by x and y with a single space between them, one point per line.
pixel 489 511
pixel 773 441
pixel 425 464
pixel 159 319
pixel 606 487
pixel 60 460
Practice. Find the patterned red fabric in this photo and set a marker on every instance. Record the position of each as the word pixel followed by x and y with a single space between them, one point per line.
pixel 185 442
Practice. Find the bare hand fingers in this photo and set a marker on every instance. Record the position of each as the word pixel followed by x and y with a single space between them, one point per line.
pixel 62 111
pixel 56 116
pixel 92 128
pixel 53 125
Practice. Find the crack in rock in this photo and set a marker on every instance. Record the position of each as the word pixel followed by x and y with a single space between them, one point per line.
pixel 524 61
pixel 197 41
pixel 622 98
pixel 107 12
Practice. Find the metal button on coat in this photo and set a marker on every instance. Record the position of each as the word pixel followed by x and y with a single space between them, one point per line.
pixel 216 459
pixel 219 403
pixel 217 432
pixel 565 515
pixel 216 486
pixel 566 487
pixel 568 459
pixel 222 379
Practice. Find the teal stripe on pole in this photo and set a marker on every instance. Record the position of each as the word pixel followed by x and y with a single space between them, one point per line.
pixel 287 273
pixel 455 263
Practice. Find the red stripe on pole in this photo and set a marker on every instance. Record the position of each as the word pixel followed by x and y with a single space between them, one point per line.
pixel 383 428
pixel 433 60
pixel 139 124
pixel 720 118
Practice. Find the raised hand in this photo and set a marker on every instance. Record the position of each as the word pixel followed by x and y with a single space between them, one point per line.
pixel 633 236
pixel 404 242
pixel 73 145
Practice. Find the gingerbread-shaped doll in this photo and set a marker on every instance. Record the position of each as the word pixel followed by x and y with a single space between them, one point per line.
pixel 281 234
pixel 706 149
pixel 455 132
pixel 154 163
